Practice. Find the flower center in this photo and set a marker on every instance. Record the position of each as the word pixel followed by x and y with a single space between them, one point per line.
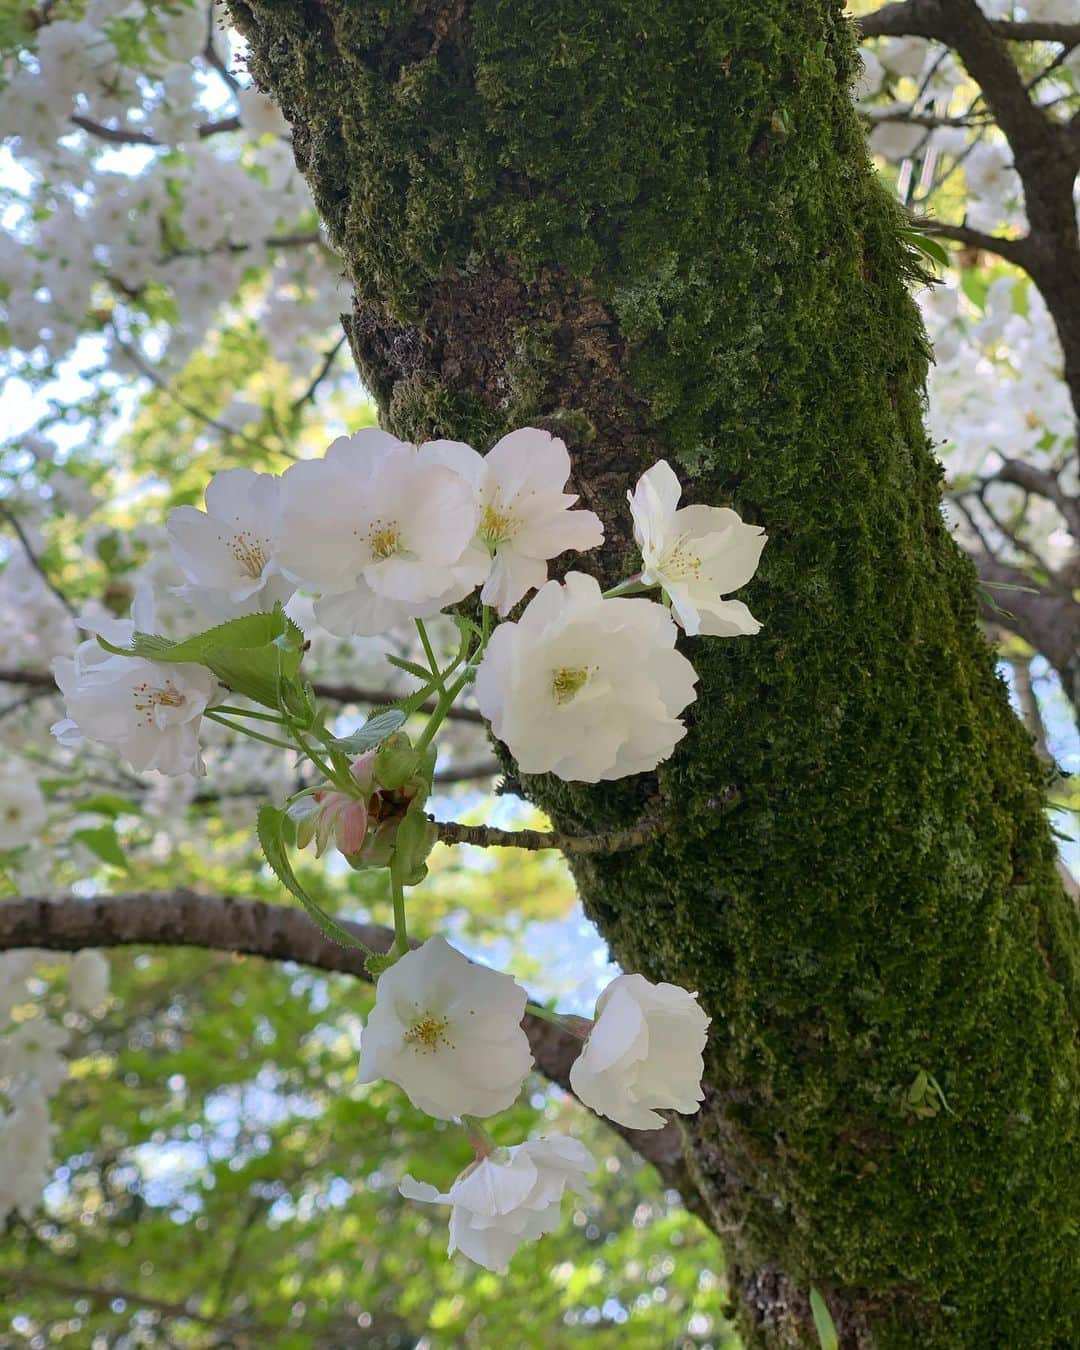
pixel 428 1033
pixel 147 697
pixel 567 682
pixel 679 561
pixel 497 526
pixel 249 553
pixel 384 538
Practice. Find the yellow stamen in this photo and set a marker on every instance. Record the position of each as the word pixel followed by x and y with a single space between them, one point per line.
pixel 249 552
pixel 567 681
pixel 496 527
pixel 679 562
pixel 147 697
pixel 428 1033
pixel 384 538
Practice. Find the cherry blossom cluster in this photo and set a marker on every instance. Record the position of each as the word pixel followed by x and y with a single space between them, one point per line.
pixel 33 1068
pixel 576 681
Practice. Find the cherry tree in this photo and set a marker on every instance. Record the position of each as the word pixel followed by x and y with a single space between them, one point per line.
pixel 651 500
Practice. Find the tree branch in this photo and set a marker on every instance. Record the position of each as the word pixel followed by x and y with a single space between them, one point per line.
pixel 913 18
pixel 611 841
pixel 1012 250
pixel 136 136
pixel 279 933
pixel 1049 623
pixel 324 369
pixel 1044 484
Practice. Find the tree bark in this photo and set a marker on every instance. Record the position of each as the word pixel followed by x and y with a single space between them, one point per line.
pixel 654 230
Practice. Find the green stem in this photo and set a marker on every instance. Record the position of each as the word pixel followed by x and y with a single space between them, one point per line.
pixel 576 1026
pixel 248 712
pixel 438 714
pixel 247 731
pixel 632 586
pixel 397 890
pixel 306 750
pixel 429 652
pixel 324 768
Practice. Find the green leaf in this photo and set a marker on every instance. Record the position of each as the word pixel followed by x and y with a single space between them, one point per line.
pixel 110 804
pixel 928 247
pixel 103 843
pixel 411 668
pixel 269 825
pixel 253 655
pixel 374 731
pixel 826 1328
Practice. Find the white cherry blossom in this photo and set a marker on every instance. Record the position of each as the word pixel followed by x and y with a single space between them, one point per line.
pixel 25 1152
pixel 382 529
pixel 697 555
pixel 30 1053
pixel 643 1054
pixel 226 552
pixel 88 980
pixel 525 515
pixel 15 970
pixel 22 806
pixel 149 711
pixel 509 1197
pixel 448 1032
pixel 584 687
pixel 259 113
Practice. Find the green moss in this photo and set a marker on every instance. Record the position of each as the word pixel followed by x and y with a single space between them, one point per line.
pixel 695 259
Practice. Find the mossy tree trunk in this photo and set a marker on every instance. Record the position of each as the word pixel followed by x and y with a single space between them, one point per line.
pixel 653 229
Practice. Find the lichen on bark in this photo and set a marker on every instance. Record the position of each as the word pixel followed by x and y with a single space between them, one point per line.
pixel 654 229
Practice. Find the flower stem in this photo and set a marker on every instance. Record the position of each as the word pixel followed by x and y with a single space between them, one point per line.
pixel 482 1143
pixel 246 731
pixel 249 712
pixel 438 715
pixel 429 652
pixel 397 890
pixel 576 1026
pixel 631 586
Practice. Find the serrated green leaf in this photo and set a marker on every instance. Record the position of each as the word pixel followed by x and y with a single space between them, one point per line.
pixel 253 655
pixel 270 824
pixel 411 668
pixel 103 843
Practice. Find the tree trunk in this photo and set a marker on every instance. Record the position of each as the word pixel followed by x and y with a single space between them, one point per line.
pixel 654 230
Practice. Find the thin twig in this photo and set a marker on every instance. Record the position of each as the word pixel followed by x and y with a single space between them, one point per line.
pixel 35 562
pixel 611 841
pixel 324 369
